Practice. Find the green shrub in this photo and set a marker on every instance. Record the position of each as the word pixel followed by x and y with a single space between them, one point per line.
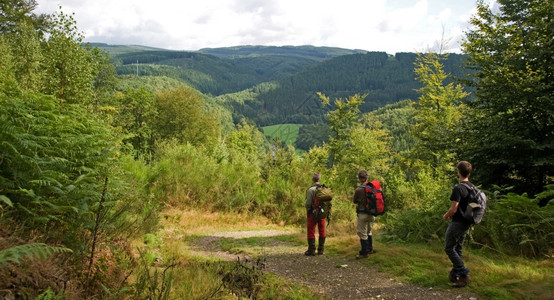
pixel 516 224
pixel 415 207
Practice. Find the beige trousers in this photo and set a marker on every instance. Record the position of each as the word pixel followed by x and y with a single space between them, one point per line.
pixel 365 223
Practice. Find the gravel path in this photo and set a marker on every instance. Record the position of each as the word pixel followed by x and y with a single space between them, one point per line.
pixel 338 277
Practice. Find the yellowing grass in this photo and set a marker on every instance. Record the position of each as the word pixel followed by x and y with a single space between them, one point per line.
pixel 197 221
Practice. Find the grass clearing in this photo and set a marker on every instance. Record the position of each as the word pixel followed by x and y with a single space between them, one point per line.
pixel 285 132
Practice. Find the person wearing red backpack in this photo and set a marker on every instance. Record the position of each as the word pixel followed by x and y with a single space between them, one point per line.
pixel 312 221
pixel 457 229
pixel 365 220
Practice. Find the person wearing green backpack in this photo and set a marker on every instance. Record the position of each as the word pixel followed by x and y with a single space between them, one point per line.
pixel 312 220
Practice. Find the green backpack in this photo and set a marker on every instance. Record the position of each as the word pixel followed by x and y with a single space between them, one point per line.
pixel 322 203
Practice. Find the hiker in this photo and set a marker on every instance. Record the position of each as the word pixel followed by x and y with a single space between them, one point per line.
pixel 457 229
pixel 312 221
pixel 365 219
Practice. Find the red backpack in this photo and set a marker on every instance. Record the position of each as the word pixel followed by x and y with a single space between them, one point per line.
pixel 375 203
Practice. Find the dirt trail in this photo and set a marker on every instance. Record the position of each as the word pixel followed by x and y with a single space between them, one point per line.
pixel 338 277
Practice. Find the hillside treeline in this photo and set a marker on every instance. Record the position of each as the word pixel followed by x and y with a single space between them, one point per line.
pixel 296 74
pixel 382 78
pixel 89 158
pixel 222 70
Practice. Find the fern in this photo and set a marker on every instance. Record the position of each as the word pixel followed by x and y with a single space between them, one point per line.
pixel 34 250
pixel 6 201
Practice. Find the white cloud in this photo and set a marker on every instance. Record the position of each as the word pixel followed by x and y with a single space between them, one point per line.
pixel 376 25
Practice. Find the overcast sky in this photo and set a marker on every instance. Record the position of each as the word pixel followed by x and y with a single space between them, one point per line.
pixel 374 25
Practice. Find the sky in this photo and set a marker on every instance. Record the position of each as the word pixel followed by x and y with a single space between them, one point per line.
pixel 374 25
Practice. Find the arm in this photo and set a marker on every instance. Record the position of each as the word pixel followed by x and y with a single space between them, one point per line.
pixel 451 211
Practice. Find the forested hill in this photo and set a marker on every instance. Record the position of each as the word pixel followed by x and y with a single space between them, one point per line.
pixel 218 71
pixel 293 99
pixel 273 85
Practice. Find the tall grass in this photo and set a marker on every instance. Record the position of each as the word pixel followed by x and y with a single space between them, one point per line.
pixel 186 176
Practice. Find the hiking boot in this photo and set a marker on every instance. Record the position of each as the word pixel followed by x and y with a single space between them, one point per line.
pixel 311 248
pixel 321 246
pixel 363 244
pixel 360 256
pixel 452 277
pixel 462 281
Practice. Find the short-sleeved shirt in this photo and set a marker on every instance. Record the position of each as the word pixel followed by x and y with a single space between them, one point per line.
pixel 460 194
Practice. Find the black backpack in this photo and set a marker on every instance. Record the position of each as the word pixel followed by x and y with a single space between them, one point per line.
pixel 476 206
pixel 322 202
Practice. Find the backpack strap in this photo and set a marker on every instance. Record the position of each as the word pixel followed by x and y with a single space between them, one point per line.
pixel 370 186
pixel 468 185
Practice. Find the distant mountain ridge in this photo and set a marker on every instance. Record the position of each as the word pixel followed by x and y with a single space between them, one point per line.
pixel 273 85
pixel 300 51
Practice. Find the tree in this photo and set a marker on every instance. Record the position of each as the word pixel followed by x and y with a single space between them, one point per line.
pixel 137 115
pixel 14 12
pixel 397 120
pixel 105 78
pixel 245 142
pixel 182 115
pixel 311 135
pixel 341 121
pixel 355 143
pixel 26 50
pixel 510 132
pixel 438 112
pixel 69 67
pixel 8 82
pixel 368 148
